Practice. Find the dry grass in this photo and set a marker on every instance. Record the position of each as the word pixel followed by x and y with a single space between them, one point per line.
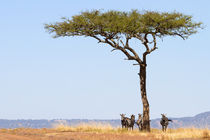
pixel 95 131
pixel 171 134
pixel 85 127
pixel 183 133
pixel 192 133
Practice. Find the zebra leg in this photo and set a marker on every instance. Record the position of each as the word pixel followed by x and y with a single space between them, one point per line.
pixel 166 127
pixel 123 126
pixel 141 126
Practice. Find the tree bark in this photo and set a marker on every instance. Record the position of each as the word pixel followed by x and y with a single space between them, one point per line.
pixel 146 118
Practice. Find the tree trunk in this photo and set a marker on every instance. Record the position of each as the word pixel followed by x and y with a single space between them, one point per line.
pixel 146 118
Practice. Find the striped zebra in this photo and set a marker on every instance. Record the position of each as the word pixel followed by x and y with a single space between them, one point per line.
pixel 123 121
pixel 130 122
pixel 164 122
pixel 139 122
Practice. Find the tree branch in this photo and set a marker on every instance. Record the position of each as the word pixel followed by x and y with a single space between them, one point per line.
pixel 109 40
pixel 155 44
pixel 146 42
pixel 180 35
pixel 117 46
pixel 99 40
pixel 113 50
pixel 148 50
pixel 126 46
pixel 122 42
pixel 138 36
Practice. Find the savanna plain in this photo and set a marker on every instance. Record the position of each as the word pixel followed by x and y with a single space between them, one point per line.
pixel 101 132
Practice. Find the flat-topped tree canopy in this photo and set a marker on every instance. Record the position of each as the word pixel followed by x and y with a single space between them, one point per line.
pixel 116 23
pixel 117 28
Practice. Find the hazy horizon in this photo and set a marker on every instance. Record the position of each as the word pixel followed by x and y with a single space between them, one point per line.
pixel 95 118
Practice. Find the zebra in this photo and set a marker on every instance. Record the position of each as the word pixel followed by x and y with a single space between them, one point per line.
pixel 130 122
pixel 123 121
pixel 139 122
pixel 164 122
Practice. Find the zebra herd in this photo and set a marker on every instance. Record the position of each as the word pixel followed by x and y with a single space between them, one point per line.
pixel 128 123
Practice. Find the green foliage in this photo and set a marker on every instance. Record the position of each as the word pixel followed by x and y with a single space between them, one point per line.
pixel 114 23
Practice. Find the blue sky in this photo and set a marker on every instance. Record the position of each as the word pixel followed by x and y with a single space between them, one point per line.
pixel 69 78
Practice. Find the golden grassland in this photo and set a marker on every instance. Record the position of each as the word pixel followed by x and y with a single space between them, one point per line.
pixel 100 132
pixel 156 133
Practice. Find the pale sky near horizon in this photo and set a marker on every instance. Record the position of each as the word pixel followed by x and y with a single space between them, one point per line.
pixel 77 78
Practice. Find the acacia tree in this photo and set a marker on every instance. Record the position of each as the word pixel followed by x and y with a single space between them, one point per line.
pixel 117 28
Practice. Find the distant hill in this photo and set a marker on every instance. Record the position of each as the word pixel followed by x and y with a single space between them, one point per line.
pixel 201 120
pixel 52 123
